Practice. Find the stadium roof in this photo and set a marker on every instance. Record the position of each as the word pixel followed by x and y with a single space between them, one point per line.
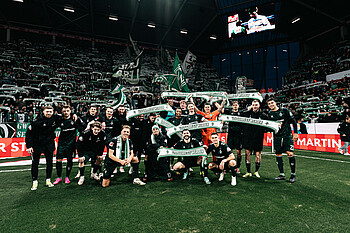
pixel 199 18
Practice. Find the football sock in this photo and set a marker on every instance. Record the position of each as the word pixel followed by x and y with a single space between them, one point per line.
pixel 49 165
pixel 247 164
pixel 292 164
pixel 34 169
pixel 135 170
pixel 99 168
pixel 59 168
pixel 205 169
pixel 279 162
pixel 257 166
pixel 94 168
pixel 69 166
pixel 233 170
pixel 183 170
pixel 82 169
pixel 239 160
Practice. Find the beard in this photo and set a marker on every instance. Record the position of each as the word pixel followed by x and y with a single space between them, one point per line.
pixel 186 137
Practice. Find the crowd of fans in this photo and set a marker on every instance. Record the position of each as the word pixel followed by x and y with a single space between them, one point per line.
pixel 313 68
pixel 31 73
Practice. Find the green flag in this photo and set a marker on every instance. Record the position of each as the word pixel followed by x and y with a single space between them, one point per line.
pixel 116 89
pixel 179 83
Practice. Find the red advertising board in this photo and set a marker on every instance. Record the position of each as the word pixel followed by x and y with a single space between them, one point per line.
pixel 16 147
pixel 315 142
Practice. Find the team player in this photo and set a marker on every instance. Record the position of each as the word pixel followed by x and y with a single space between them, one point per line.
pixel 91 115
pixel 192 118
pixel 189 142
pixel 40 139
pixel 156 140
pixel 253 138
pixel 66 143
pixel 174 138
pixel 90 145
pixel 110 125
pixel 225 159
pixel 283 139
pixel 210 116
pixel 120 153
pixel 235 133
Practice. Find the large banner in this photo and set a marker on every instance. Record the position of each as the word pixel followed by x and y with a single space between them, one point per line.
pixel 16 147
pixel 7 130
pixel 338 75
pixel 22 129
pixel 315 142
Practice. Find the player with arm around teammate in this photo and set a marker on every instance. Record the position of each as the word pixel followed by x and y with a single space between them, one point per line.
pixel 225 159
pixel 67 142
pixel 120 153
pixel 194 161
pixel 283 139
pixel 90 145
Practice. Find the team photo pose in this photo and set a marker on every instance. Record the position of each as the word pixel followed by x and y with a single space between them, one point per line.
pixel 90 146
pixel 253 138
pixel 283 139
pixel 67 143
pixel 225 160
pixel 194 161
pixel 120 153
pixel 210 116
pixel 193 118
pixel 235 133
pixel 153 166
pixel 39 140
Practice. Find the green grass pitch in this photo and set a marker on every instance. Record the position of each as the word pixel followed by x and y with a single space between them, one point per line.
pixel 319 201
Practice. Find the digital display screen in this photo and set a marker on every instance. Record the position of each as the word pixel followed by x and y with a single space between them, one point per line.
pixel 251 20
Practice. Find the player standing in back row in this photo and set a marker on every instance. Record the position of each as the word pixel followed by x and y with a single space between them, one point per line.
pixel 283 139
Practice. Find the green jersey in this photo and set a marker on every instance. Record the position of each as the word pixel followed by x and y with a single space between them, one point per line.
pixel 286 117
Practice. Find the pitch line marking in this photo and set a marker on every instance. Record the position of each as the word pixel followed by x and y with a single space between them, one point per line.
pixel 308 157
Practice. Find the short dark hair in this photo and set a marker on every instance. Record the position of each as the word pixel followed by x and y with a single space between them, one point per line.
pixel 96 124
pixel 270 99
pixel 152 114
pixel 215 133
pixel 48 107
pixel 186 130
pixel 207 103
pixel 65 106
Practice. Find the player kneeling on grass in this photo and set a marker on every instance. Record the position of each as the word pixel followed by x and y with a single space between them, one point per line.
pixel 225 159
pixel 120 153
pixel 90 145
pixel 189 143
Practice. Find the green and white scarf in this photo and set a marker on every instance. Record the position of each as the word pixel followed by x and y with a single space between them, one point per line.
pixel 161 121
pixel 203 125
pixel 167 152
pixel 119 147
pixel 157 108
pixel 255 95
pixel 274 125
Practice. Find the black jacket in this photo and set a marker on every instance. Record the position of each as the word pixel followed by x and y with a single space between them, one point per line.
pixel 90 143
pixel 40 134
pixel 344 128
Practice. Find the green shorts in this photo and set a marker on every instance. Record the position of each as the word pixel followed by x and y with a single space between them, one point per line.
pixel 88 155
pixel 109 167
pixel 67 151
pixel 283 144
pixel 234 142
